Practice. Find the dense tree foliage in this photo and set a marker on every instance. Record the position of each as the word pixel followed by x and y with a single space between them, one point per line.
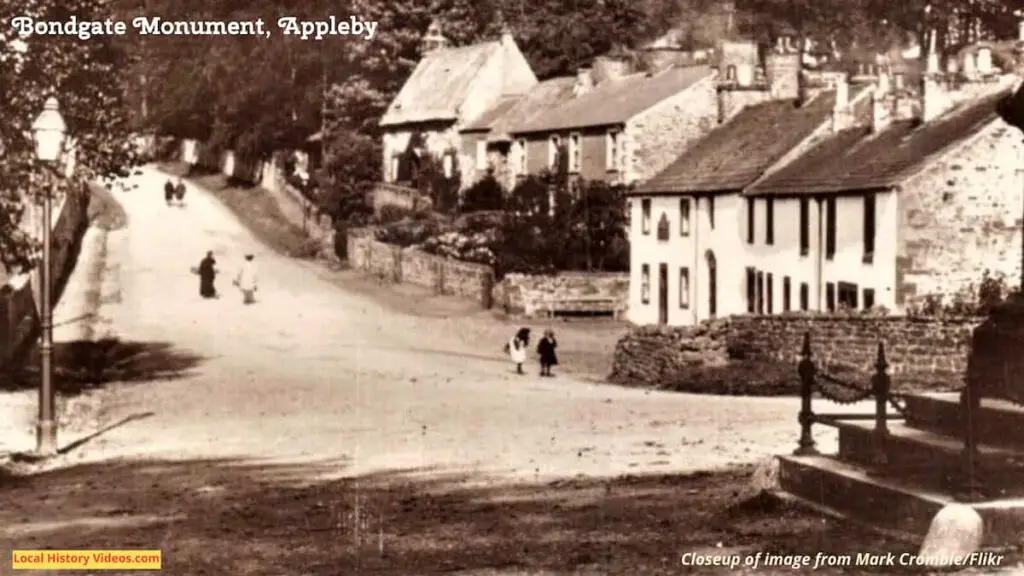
pixel 255 95
pixel 86 76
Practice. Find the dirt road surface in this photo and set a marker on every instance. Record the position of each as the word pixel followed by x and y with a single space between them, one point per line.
pixel 314 381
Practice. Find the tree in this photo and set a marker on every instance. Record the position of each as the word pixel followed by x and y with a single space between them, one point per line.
pixel 486 194
pixel 87 77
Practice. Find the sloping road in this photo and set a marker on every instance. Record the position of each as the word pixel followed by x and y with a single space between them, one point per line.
pixel 315 373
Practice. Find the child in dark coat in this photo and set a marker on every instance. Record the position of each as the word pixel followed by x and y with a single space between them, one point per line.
pixel 546 351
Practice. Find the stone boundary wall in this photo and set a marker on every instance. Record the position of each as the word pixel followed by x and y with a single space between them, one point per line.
pixel 392 263
pixel 532 295
pixel 921 349
pixel 298 210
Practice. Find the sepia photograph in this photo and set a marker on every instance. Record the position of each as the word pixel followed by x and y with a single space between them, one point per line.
pixel 543 287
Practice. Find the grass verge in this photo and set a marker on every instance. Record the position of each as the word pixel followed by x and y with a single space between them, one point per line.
pixel 255 208
pixel 204 514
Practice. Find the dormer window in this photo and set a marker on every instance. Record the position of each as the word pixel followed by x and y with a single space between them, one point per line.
pixel 554 143
pixel 574 153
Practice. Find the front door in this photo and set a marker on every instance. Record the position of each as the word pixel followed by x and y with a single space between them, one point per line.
pixel 663 294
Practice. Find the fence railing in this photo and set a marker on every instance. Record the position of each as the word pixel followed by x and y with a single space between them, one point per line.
pixel 813 380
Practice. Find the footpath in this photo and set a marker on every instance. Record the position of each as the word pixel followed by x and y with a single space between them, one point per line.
pixel 77 317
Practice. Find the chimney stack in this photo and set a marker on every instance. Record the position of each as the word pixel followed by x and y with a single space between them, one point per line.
pixel 881 107
pixel 842 114
pixel 783 68
pixel 584 82
pixel 970 68
pixel 985 61
pixel 931 99
pixel 898 82
pixel 932 66
pixel 434 39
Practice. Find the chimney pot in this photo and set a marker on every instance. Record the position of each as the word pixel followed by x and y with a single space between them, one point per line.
pixel 898 80
pixel 842 93
pixel 985 60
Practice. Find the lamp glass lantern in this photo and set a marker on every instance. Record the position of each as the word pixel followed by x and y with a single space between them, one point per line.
pixel 48 132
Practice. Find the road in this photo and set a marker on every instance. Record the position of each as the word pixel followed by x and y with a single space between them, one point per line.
pixel 315 373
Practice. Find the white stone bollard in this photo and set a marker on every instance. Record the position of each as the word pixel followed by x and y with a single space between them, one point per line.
pixel 956 531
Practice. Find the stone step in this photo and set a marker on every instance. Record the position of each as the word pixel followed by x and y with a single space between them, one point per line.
pixel 887 502
pixel 1000 421
pixel 930 458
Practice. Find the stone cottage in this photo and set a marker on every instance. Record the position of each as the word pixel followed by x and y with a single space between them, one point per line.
pixel 920 201
pixel 618 127
pixel 861 197
pixel 487 141
pixel 449 87
pixel 687 223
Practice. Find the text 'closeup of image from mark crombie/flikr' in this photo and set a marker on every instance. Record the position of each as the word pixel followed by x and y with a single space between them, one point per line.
pixel 327 27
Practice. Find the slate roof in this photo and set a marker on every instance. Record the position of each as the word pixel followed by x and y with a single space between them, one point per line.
pixel 439 84
pixel 615 101
pixel 857 160
pixel 484 122
pixel 503 118
pixel 735 154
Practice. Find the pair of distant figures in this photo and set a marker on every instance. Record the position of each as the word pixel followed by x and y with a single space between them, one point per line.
pixel 174 192
pixel 245 280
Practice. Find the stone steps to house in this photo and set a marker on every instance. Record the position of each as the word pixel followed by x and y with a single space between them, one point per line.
pixel 891 502
pixel 940 413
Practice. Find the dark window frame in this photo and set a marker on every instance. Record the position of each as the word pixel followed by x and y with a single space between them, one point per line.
pixel 830 228
pixel 830 297
pixel 645 216
pixel 750 220
pixel 787 296
pixel 870 227
pixel 805 297
pixel 769 221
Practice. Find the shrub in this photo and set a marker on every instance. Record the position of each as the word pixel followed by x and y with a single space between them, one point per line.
pixel 486 194
pixel 976 299
pixel 480 222
pixel 390 213
pixel 473 247
pixel 409 232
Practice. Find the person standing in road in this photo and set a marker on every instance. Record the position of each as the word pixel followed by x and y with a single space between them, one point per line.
pixel 169 191
pixel 207 272
pixel 516 348
pixel 179 192
pixel 546 351
pixel 246 280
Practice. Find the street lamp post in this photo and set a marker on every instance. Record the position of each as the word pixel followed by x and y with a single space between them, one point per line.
pixel 48 132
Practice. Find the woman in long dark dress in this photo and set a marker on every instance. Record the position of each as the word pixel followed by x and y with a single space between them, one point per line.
pixel 546 350
pixel 168 191
pixel 207 273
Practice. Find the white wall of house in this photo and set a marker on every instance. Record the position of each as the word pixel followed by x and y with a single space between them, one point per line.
pixel 785 260
pixel 714 230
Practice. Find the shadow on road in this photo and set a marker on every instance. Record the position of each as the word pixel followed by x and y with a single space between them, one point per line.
pixel 85 365
pixel 278 519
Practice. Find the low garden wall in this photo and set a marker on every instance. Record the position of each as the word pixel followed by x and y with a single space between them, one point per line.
pixel 917 349
pixel 410 265
pixel 532 294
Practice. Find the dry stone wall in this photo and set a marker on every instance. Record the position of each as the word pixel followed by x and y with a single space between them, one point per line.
pixel 917 349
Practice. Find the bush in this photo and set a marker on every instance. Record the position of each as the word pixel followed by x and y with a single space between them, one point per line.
pixel 976 299
pixel 473 247
pixel 409 232
pixel 486 194
pixel 390 213
pixel 480 222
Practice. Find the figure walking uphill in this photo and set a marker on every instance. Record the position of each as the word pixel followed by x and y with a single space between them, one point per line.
pixel 179 192
pixel 169 191
pixel 207 273
pixel 546 351
pixel 246 280
pixel 517 346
